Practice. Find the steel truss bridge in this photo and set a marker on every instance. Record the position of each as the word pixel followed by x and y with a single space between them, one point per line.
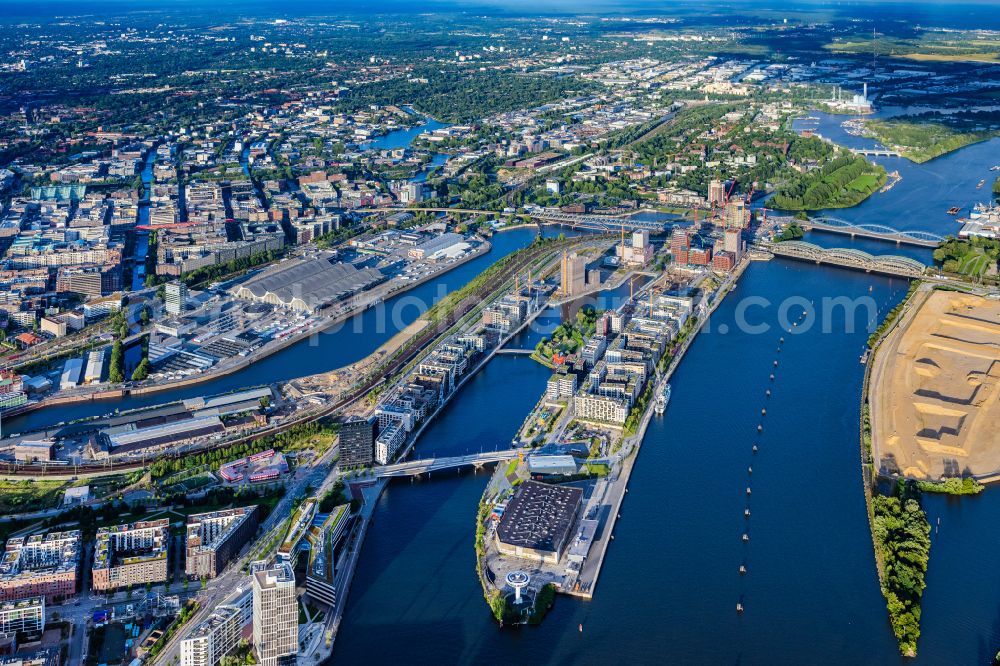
pixel 879 231
pixel 875 152
pixel 850 258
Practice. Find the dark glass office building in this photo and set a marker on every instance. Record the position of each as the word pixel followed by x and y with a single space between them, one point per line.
pixel 357 443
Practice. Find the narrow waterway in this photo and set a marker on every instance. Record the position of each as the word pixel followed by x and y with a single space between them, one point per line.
pixel 670 583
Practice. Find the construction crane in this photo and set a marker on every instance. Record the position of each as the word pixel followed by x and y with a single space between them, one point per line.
pixel 730 192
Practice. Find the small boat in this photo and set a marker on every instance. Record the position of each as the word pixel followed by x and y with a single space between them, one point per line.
pixel 581 627
pixel 981 183
pixel 746 513
pixel 746 537
pixel 739 608
pixel 772 376
pixel 954 210
pixel 748 490
pixel 768 393
pixel 776 363
pixel 749 470
pixel 743 570
pixel 763 412
pixel 760 428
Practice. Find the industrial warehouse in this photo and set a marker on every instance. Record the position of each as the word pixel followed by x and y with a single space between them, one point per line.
pixel 538 520
pixel 309 285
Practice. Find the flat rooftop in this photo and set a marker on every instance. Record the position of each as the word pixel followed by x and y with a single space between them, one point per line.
pixel 539 516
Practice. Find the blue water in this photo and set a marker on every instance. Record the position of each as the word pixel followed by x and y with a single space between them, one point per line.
pixel 142 237
pixel 402 138
pixel 921 200
pixel 669 586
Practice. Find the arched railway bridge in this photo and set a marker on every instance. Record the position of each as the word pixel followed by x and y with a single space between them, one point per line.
pixel 849 258
pixel 878 231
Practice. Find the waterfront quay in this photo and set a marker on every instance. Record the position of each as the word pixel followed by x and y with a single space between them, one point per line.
pixel 582 447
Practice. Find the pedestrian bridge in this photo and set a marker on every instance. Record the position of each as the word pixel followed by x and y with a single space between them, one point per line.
pixel 416 467
pixel 879 231
pixel 512 350
pixel 849 258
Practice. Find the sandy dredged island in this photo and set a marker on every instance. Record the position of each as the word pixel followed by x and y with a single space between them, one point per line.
pixel 935 390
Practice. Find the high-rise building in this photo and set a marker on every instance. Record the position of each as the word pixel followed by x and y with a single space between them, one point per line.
pixel 717 193
pixel 357 443
pixel 176 298
pixel 214 538
pixel 127 555
pixel 737 214
pixel 680 245
pixel 733 242
pixel 275 615
pixel 220 634
pixel 574 274
pixel 40 565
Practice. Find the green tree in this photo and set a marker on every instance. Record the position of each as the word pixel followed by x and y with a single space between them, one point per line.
pixel 116 372
pixel 141 371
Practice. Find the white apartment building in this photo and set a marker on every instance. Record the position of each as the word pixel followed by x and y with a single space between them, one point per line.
pixel 276 615
pixel 220 634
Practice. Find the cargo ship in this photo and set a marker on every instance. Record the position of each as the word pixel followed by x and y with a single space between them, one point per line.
pixel 662 399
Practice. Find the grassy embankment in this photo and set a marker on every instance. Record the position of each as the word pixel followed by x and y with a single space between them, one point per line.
pixel 923 141
pixel 974 257
pixel 842 182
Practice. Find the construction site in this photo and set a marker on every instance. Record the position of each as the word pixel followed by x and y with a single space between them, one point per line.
pixel 934 394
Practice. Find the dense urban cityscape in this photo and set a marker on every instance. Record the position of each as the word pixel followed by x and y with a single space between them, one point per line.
pixel 344 334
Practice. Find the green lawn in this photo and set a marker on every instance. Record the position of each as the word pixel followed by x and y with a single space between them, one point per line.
pixel 22 496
